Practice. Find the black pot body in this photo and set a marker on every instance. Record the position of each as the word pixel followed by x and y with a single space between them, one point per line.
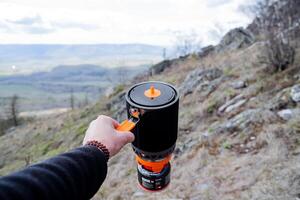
pixel 156 131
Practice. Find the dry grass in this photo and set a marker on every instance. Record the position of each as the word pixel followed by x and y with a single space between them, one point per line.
pixel 218 169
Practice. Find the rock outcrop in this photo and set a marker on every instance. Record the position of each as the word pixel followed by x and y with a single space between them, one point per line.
pixel 233 104
pixel 236 39
pixel 238 84
pixel 295 93
pixel 246 119
pixel 289 114
pixel 206 51
pixel 198 79
pixel 160 67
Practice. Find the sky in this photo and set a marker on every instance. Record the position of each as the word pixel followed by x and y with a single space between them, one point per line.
pixel 157 22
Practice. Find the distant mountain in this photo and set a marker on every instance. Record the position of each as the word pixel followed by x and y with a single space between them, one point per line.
pixel 60 73
pixel 79 78
pixel 38 51
pixel 39 57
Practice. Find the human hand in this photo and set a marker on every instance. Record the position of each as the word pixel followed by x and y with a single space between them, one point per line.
pixel 103 130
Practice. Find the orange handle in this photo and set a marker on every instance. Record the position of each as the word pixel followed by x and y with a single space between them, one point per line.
pixel 126 125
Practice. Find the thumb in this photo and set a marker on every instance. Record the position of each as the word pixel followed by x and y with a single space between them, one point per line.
pixel 126 137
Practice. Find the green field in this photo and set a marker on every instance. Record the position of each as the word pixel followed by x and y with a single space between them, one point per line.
pixel 31 98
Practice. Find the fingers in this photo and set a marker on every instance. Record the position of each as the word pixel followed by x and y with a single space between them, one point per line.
pixel 103 129
pixel 114 123
pixel 126 137
pixel 130 137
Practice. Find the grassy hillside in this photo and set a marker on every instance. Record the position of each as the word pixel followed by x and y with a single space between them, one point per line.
pixel 243 153
pixel 239 132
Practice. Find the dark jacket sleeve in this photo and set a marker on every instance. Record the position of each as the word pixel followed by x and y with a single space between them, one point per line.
pixel 77 174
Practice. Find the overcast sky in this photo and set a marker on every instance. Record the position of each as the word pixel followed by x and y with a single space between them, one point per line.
pixel 117 21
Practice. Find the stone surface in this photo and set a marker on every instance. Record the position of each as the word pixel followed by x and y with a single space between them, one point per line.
pixel 236 39
pixel 243 120
pixel 285 114
pixel 238 84
pixel 138 194
pixel 280 101
pixel 160 67
pixel 198 78
pixel 206 51
pixel 235 106
pixel 288 114
pixel 295 93
pixel 232 104
pixel 207 87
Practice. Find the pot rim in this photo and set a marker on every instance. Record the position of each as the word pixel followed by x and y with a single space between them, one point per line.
pixel 151 107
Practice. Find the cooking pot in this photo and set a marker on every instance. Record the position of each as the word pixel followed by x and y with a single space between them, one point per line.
pixel 152 110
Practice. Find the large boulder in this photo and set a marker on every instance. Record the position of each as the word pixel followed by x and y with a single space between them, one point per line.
pixel 238 84
pixel 198 79
pixel 288 114
pixel 295 93
pixel 235 39
pixel 244 121
pixel 282 100
pixel 160 67
pixel 206 51
pixel 233 104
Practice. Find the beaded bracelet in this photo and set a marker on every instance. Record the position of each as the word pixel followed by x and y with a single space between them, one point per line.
pixel 100 146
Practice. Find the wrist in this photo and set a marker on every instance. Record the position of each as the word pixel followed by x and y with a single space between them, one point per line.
pixel 99 146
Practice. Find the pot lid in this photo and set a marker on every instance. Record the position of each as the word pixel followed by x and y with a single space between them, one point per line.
pixel 152 94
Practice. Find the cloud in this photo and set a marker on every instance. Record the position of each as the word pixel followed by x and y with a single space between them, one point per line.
pixel 27 20
pixel 217 3
pixel 4 28
pixel 116 21
pixel 38 30
pixel 30 24
pixel 66 25
pixel 38 25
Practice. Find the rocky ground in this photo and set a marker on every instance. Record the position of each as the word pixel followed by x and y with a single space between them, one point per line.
pixel 239 133
pixel 239 128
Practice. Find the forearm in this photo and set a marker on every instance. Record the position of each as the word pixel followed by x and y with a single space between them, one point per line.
pixel 74 175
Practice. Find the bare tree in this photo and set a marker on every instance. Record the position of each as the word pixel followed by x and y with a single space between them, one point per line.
pixel 273 21
pixel 187 43
pixel 3 124
pixel 13 110
pixel 164 53
pixel 279 53
pixel 10 114
pixel 72 100
pixel 122 74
